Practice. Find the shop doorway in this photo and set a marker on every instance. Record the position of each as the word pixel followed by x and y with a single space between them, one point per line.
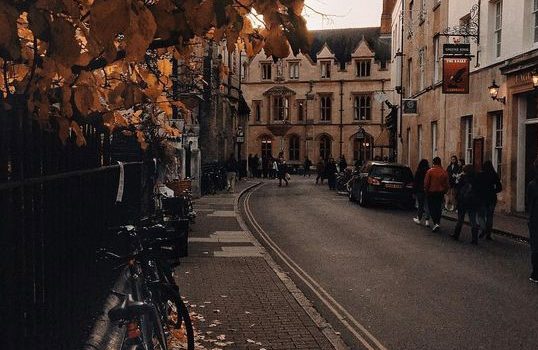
pixel 363 148
pixel 527 145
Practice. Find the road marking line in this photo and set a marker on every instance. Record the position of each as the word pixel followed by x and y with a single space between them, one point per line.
pixel 343 315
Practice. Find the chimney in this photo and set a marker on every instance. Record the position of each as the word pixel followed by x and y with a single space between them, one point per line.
pixel 386 17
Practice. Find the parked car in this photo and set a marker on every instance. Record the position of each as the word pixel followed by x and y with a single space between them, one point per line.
pixel 382 182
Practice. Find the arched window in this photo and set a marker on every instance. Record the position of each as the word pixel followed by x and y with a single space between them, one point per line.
pixel 266 146
pixel 325 147
pixel 294 148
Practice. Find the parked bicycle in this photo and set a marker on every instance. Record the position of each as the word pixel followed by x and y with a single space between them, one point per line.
pixel 153 308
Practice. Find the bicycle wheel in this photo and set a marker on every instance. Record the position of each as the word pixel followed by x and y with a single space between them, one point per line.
pixel 154 337
pixel 177 316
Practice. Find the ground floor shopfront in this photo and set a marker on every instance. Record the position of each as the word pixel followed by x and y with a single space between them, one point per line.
pixel 476 128
pixel 522 108
pixel 316 141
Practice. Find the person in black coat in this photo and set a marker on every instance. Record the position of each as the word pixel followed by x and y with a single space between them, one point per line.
pixel 532 206
pixel 331 170
pixel 467 202
pixel 453 171
pixel 282 171
pixel 342 163
pixel 489 185
pixel 418 186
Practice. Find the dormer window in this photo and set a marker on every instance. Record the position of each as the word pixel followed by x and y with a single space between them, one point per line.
pixel 294 70
pixel 325 69
pixel 266 71
pixel 363 68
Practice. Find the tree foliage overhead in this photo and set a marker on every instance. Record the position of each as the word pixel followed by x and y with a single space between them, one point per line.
pixel 76 59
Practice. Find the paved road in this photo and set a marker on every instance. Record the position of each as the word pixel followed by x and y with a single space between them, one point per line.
pixel 406 286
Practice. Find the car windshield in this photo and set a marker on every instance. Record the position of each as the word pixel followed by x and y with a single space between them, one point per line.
pixel 392 173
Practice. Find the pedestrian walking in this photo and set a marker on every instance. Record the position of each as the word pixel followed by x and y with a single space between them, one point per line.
pixel 282 172
pixel 453 171
pixel 468 203
pixel 231 173
pixel 435 187
pixel 489 185
pixel 420 195
pixel 532 205
pixel 331 170
pixel 307 164
pixel 274 168
pixel 342 164
pixel 320 169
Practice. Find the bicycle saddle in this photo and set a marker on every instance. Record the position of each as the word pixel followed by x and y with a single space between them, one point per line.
pixel 128 309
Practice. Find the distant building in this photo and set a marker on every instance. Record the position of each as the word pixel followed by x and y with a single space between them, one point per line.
pixel 313 105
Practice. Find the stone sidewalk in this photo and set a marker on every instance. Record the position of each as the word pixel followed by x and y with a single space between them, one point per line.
pixel 503 224
pixel 236 294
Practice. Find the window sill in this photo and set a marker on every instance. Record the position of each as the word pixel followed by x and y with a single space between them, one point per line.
pixel 324 122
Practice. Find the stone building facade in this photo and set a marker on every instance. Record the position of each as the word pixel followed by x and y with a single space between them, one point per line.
pixel 472 126
pixel 223 111
pixel 313 105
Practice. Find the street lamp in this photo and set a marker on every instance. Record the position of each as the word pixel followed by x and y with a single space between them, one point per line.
pixel 535 79
pixel 494 92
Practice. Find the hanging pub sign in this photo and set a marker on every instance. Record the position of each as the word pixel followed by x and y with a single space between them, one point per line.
pixel 456 75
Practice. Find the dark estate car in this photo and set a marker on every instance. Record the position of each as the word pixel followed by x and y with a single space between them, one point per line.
pixel 382 182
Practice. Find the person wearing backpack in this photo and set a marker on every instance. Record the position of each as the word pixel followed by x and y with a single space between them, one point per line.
pixel 467 203
pixel 489 185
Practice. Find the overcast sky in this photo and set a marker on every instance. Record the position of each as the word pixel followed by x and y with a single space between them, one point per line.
pixel 348 13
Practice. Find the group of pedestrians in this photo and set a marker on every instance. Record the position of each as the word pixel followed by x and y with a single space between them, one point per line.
pixel 459 187
pixel 328 169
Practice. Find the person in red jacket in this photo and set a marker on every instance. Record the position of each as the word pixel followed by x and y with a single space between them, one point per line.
pixel 435 187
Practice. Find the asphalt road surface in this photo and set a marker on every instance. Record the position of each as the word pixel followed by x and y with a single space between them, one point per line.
pixel 385 283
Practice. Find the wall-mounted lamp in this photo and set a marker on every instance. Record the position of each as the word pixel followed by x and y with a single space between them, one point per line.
pixel 535 79
pixel 494 92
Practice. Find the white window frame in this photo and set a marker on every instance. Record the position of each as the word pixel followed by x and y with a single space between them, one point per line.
pixel 325 69
pixel 363 68
pixel 498 23
pixel 468 139
pixel 497 142
pixel 420 137
pixel 293 70
pixel 281 111
pixel 325 112
pixel 435 139
pixel 267 71
pixel 362 103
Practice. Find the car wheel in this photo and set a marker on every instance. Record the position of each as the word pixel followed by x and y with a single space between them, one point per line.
pixel 363 201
